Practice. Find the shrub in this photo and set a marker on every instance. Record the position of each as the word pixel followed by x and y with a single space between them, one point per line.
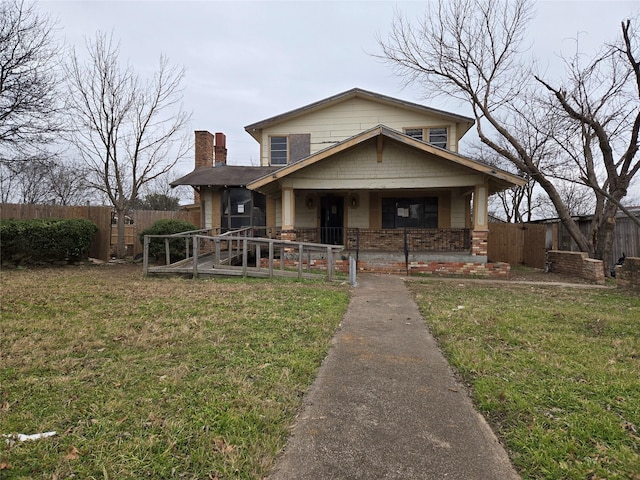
pixel 167 226
pixel 45 240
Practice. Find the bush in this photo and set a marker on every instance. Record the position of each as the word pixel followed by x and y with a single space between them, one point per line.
pixel 45 240
pixel 167 226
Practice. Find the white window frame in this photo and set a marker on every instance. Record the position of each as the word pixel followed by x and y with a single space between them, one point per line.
pixel 427 133
pixel 286 150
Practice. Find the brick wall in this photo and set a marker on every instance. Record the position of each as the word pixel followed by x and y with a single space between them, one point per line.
pixel 490 270
pixel 628 274
pixel 420 240
pixel 577 264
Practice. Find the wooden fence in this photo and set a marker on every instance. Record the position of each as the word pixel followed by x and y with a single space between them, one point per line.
pixel 517 244
pixel 101 247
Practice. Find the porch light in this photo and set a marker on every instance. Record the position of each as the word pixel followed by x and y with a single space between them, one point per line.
pixel 353 201
pixel 309 202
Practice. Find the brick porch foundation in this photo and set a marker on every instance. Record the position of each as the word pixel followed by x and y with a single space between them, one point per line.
pixel 489 270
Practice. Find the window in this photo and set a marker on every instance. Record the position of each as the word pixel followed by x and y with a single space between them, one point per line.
pixel 242 208
pixel 416 133
pixel 434 136
pixel 419 212
pixel 438 137
pixel 278 150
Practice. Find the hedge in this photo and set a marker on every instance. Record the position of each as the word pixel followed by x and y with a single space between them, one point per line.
pixel 167 226
pixel 45 240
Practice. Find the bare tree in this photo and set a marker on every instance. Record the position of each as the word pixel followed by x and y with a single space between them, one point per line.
pixel 602 101
pixel 67 182
pixel 128 132
pixel 29 85
pixel 473 50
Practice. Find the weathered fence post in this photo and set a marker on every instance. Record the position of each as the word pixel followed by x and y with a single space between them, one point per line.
pixel 216 260
pixel 167 253
pixel 270 258
pixel 245 255
pixel 300 254
pixel 330 263
pixel 145 256
pixel 196 253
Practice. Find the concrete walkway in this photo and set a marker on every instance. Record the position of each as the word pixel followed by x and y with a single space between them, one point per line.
pixel 386 405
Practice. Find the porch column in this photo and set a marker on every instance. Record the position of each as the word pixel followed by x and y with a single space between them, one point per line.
pixel 480 231
pixel 288 213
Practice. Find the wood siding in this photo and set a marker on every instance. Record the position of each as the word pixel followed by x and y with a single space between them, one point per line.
pixel 401 167
pixel 339 122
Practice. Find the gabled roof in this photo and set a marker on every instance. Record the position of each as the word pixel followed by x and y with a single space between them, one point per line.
pixel 223 176
pixel 500 179
pixel 255 128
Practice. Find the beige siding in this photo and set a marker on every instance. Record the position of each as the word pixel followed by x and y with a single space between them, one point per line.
pixel 207 197
pixel 305 217
pixel 358 217
pixel 459 204
pixel 401 167
pixel 278 206
pixel 339 122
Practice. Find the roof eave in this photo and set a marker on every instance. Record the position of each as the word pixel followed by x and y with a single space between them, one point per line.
pixel 500 178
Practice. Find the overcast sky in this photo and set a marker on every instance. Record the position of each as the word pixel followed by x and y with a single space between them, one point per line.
pixel 249 60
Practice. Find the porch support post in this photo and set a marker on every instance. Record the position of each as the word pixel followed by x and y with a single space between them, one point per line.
pixel 480 231
pixel 288 213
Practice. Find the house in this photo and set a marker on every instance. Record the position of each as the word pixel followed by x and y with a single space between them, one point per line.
pixel 379 175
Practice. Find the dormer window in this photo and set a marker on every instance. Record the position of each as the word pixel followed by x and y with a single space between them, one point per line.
pixel 434 136
pixel 278 150
pixel 438 137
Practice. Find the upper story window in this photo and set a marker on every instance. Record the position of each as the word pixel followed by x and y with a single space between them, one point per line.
pixel 434 136
pixel 438 137
pixel 278 150
pixel 416 133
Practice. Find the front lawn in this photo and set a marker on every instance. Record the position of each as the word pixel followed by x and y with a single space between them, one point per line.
pixel 556 371
pixel 155 378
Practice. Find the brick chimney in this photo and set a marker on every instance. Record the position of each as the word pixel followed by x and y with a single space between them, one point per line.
pixel 210 151
pixel 203 149
pixel 220 149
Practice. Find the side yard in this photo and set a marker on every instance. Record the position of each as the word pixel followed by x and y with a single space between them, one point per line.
pixel 155 378
pixel 556 371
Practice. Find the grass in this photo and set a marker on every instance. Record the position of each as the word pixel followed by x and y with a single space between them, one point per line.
pixel 158 377
pixel 556 371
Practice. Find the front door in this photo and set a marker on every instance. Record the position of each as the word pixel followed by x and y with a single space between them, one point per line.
pixel 332 220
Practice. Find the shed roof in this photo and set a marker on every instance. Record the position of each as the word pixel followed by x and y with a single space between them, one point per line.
pixel 223 176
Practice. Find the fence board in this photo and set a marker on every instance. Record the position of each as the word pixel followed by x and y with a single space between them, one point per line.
pixel 101 216
pixel 517 244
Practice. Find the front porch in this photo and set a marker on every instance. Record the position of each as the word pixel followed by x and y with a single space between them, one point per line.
pixel 431 251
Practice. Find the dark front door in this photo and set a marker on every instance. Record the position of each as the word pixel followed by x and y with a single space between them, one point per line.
pixel 332 220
